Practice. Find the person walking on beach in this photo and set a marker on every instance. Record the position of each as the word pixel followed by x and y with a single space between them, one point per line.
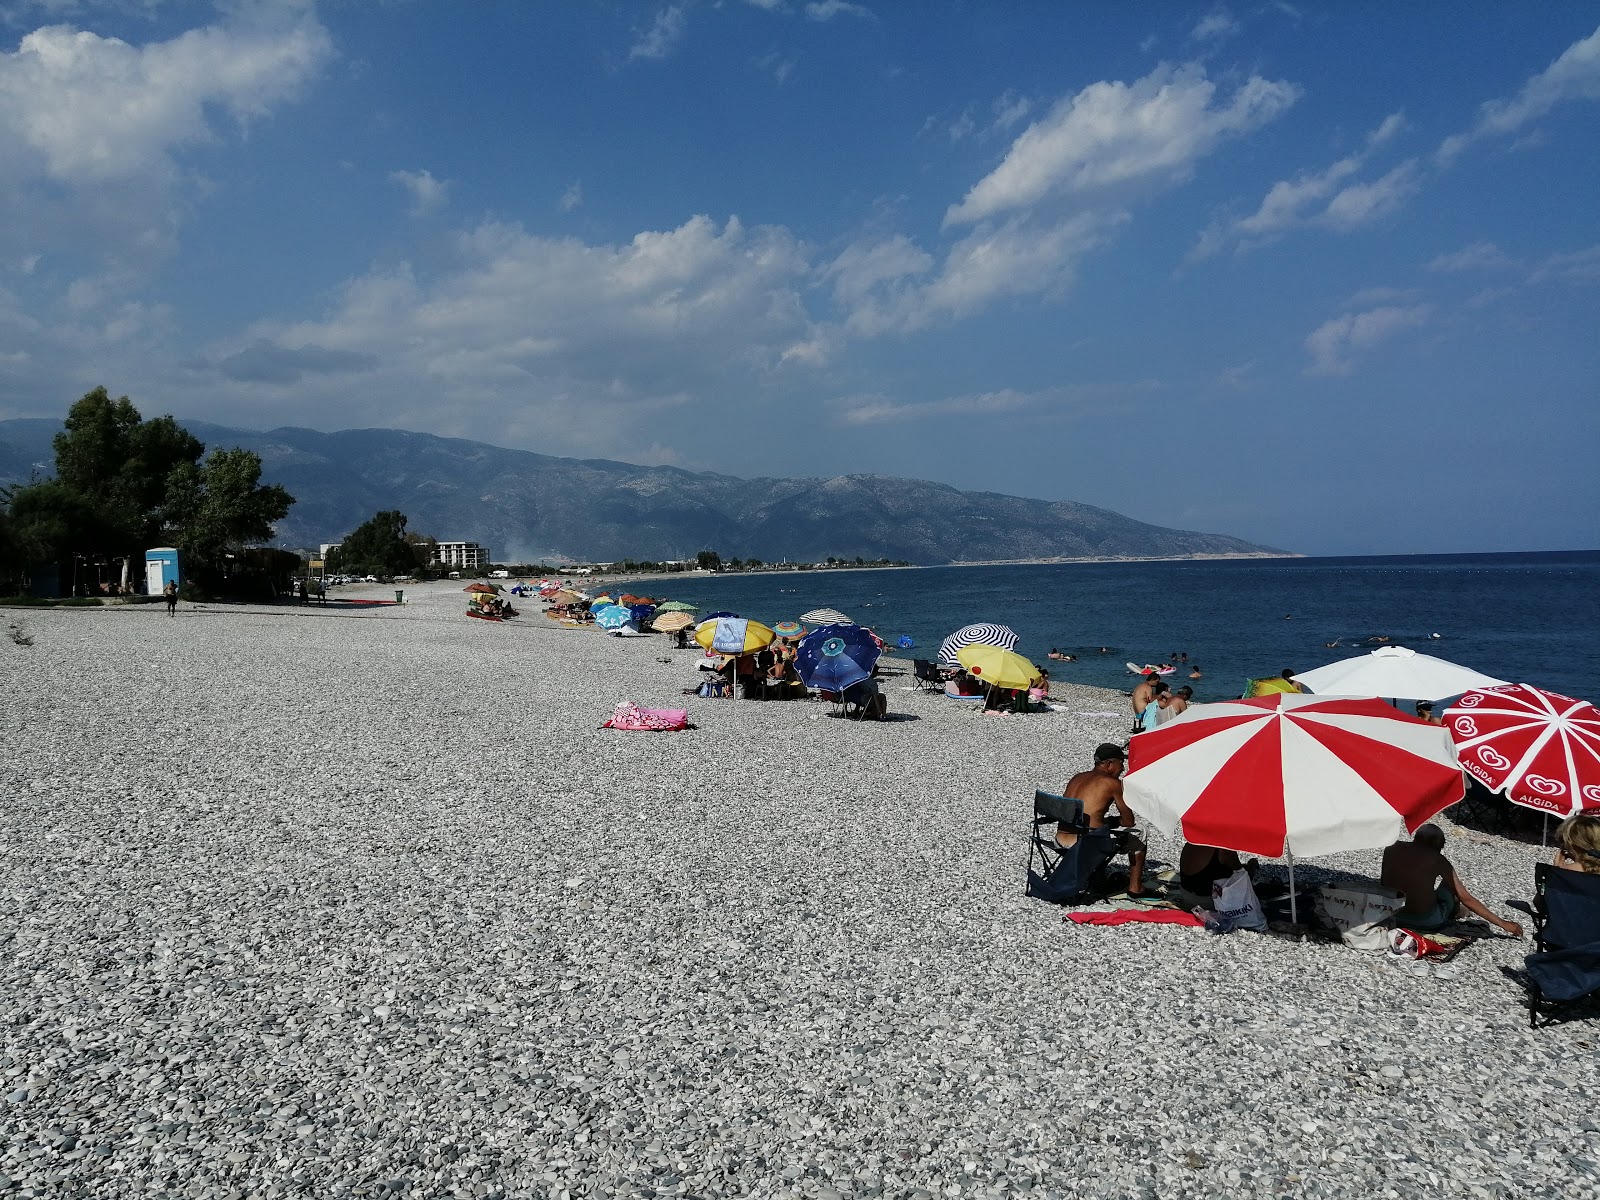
pixel 171 593
pixel 1434 893
pixel 1143 693
pixel 1098 789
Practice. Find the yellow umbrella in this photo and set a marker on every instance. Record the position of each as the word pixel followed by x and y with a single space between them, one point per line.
pixel 737 635
pixel 997 667
pixel 602 599
pixel 1269 686
pixel 672 622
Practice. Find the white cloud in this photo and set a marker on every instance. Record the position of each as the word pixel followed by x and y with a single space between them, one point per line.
pixel 826 10
pixel 573 197
pixel 876 410
pixel 1215 26
pixel 85 109
pixel 1335 345
pixel 574 341
pixel 1011 108
pixel 1363 203
pixel 1320 198
pixel 892 285
pixel 427 193
pixel 1576 266
pixel 779 67
pixel 97 135
pixel 662 38
pixel 1113 134
pixel 1476 257
pixel 1067 400
pixel 1575 75
pixel 1377 297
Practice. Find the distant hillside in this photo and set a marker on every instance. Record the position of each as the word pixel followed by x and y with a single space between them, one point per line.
pixel 527 506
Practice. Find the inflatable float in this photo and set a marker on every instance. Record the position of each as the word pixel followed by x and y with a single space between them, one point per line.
pixel 950 695
pixel 1164 669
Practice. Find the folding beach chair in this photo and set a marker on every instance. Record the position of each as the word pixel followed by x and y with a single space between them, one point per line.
pixel 928 677
pixel 1565 965
pixel 1065 874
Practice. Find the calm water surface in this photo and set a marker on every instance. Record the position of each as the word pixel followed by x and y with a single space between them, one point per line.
pixel 1528 618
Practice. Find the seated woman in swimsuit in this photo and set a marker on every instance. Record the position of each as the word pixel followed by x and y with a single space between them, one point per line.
pixel 1201 866
pixel 1578 844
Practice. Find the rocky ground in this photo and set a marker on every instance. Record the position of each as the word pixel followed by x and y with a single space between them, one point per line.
pixel 314 903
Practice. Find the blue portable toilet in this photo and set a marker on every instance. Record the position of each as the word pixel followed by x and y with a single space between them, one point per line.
pixel 160 566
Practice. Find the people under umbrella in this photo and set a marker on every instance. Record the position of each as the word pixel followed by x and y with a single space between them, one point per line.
pixel 1417 907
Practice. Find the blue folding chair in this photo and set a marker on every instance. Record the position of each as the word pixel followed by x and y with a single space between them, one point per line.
pixel 1565 965
pixel 1065 874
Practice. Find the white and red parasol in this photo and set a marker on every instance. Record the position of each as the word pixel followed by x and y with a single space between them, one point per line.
pixel 1292 774
pixel 1540 748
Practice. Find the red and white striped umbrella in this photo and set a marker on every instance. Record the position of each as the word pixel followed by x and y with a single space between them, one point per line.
pixel 1292 774
pixel 1540 748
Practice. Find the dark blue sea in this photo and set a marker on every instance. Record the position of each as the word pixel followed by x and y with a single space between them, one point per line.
pixel 1527 618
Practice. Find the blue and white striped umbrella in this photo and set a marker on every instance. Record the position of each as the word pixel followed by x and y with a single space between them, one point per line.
pixel 984 633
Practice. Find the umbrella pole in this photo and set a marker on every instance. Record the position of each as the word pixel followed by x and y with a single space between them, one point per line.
pixel 1544 832
pixel 1294 906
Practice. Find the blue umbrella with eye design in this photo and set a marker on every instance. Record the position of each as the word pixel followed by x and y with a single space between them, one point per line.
pixel 833 657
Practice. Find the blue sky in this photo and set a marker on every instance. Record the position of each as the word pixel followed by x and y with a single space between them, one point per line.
pixel 1324 277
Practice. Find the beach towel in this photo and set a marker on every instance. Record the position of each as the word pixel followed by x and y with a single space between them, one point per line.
pixel 630 716
pixel 1128 916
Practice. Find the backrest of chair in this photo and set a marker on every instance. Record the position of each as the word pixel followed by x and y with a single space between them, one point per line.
pixel 1049 807
pixel 924 668
pixel 1571 903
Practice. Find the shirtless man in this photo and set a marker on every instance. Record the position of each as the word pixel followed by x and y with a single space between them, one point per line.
pixel 1180 701
pixel 1143 693
pixel 1097 789
pixel 1420 872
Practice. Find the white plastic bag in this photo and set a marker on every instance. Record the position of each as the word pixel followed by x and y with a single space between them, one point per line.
pixel 1358 913
pixel 1234 905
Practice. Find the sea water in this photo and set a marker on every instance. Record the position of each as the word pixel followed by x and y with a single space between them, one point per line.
pixel 1525 618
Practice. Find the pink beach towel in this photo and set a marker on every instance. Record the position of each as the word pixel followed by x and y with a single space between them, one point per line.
pixel 630 716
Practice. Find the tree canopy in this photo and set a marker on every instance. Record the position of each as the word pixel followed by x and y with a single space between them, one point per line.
pixel 123 484
pixel 378 546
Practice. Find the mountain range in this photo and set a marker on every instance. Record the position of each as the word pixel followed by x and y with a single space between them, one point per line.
pixel 529 507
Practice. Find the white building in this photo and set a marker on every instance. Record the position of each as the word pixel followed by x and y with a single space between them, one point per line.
pixel 468 555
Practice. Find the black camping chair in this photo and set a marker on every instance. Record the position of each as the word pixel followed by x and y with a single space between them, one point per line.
pixel 928 676
pixel 1565 964
pixel 1065 874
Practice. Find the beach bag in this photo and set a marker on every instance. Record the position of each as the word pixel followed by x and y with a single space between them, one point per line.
pixel 1405 944
pixel 1234 905
pixel 1358 913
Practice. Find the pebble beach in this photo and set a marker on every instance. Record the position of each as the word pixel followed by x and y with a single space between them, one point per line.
pixel 321 903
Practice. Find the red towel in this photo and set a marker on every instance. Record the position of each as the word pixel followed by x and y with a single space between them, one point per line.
pixel 1122 916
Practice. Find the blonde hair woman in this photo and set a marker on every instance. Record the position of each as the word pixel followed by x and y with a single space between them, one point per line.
pixel 1578 843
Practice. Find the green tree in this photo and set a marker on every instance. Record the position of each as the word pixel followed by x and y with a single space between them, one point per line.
pixel 708 560
pixel 122 466
pixel 377 547
pixel 221 506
